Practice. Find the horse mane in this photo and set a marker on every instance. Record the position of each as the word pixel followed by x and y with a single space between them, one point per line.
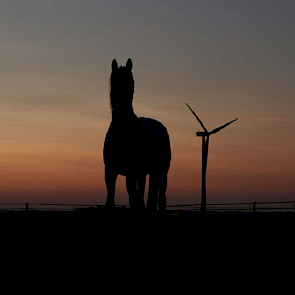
pixel 121 85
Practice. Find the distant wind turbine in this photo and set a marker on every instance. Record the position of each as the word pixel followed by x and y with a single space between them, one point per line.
pixel 205 146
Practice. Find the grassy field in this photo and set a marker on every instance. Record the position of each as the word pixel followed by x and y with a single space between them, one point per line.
pixel 122 222
pixel 88 237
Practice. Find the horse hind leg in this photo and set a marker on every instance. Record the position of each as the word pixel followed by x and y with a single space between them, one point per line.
pixel 157 191
pixel 140 191
pixel 153 193
pixel 162 191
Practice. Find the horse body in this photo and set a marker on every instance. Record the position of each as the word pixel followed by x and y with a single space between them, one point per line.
pixel 135 147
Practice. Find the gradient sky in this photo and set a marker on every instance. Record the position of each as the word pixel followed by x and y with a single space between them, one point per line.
pixel 226 59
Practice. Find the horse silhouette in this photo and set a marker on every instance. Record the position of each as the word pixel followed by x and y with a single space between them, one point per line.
pixel 134 147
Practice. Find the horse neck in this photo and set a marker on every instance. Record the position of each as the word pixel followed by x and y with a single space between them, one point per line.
pixel 123 117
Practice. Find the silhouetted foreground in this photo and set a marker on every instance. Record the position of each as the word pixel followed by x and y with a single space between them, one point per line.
pixel 105 240
pixel 100 223
pixel 122 243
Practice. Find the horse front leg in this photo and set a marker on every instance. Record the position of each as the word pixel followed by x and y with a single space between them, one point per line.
pixel 132 190
pixel 110 180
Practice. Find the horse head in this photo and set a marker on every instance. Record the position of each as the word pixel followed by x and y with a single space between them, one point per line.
pixel 121 86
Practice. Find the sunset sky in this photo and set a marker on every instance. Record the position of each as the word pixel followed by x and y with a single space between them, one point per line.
pixel 226 59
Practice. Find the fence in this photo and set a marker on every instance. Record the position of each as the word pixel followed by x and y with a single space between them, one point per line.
pixel 245 207
pixel 254 207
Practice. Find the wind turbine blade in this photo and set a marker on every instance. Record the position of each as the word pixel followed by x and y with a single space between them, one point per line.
pixel 221 127
pixel 197 118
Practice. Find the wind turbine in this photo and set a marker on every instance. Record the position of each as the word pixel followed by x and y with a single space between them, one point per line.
pixel 205 146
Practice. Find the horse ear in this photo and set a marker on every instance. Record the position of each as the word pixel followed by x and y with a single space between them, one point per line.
pixel 114 65
pixel 129 64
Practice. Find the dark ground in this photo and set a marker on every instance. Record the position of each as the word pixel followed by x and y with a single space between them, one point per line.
pixel 105 252
pixel 123 222
pixel 91 242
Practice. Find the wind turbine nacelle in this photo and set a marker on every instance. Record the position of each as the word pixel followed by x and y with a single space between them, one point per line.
pixel 202 133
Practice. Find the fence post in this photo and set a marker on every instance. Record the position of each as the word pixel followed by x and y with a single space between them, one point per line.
pixel 254 207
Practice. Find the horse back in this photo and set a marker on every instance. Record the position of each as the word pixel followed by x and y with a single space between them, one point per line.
pixel 157 140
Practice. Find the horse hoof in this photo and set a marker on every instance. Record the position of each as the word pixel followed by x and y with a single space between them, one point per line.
pixel 162 203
